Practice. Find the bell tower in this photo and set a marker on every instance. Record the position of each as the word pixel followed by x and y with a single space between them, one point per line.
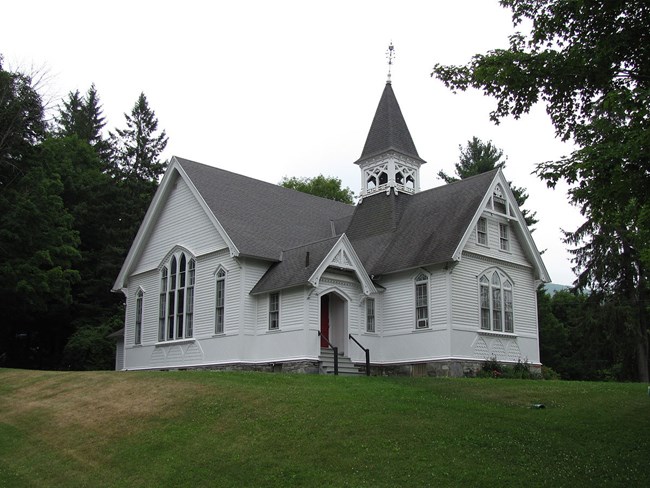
pixel 389 160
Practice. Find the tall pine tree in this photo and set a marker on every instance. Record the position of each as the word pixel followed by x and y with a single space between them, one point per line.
pixel 83 117
pixel 138 147
pixel 480 157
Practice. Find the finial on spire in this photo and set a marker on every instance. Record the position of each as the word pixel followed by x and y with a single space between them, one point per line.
pixel 390 55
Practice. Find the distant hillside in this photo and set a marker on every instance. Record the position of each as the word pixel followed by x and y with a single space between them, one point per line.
pixel 553 288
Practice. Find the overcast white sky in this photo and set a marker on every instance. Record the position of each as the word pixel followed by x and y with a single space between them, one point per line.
pixel 275 88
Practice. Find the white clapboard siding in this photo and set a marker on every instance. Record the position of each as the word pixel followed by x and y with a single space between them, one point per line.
pixel 119 354
pixel 398 314
pixel 253 270
pixel 515 253
pixel 181 222
pixel 465 293
pixel 438 299
pixel 205 294
pixel 148 282
pixel 291 308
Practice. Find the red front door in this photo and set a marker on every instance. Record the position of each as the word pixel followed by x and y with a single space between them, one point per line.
pixel 324 319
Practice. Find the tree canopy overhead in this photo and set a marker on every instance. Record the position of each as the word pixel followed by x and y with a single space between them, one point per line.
pixel 589 63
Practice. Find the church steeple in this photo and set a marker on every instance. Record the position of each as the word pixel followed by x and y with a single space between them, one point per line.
pixel 389 158
pixel 388 130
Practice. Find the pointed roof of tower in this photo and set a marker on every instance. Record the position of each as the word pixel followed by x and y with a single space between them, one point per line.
pixel 389 130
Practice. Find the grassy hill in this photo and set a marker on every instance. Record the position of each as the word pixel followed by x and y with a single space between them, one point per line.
pixel 173 429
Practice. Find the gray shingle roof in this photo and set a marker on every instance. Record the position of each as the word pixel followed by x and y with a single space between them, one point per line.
pixel 388 130
pixel 263 219
pixel 388 232
pixel 294 270
pixel 395 232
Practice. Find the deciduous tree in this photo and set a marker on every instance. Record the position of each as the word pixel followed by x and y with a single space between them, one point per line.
pixel 589 63
pixel 323 186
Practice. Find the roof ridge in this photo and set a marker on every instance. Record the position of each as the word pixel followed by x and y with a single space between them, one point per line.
pixel 460 180
pixel 239 175
pixel 311 243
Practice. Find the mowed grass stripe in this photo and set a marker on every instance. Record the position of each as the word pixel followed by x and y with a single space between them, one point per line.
pixel 200 428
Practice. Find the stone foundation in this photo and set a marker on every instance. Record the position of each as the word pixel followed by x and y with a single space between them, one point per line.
pixel 453 369
pixel 300 367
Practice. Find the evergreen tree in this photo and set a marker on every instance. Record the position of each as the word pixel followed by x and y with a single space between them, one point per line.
pixel 480 157
pixel 38 258
pixel 138 147
pixel 589 62
pixel 83 117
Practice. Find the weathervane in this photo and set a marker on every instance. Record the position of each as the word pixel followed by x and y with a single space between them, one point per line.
pixel 390 55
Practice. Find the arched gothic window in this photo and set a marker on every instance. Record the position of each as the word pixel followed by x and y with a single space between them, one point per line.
pixel 139 299
pixel 220 301
pixel 496 308
pixel 176 311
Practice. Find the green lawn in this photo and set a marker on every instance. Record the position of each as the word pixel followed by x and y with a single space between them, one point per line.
pixel 172 429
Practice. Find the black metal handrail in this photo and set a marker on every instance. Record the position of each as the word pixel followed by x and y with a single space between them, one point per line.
pixel 367 351
pixel 336 352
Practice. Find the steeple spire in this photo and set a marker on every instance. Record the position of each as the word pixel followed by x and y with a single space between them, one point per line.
pixel 389 160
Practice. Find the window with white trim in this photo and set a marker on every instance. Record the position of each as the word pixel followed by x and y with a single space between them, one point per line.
pixel 176 310
pixel 370 315
pixel 139 299
pixel 274 311
pixel 481 231
pixel 496 306
pixel 220 301
pixel 421 301
pixel 163 304
pixel 504 237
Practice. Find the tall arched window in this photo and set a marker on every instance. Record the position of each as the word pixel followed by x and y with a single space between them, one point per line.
pixel 176 312
pixel 163 304
pixel 139 299
pixel 495 297
pixel 220 302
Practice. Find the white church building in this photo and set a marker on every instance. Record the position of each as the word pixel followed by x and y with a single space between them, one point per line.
pixel 229 272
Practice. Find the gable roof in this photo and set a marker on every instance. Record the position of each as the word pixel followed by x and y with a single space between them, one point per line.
pixel 263 219
pixel 396 232
pixel 306 264
pixel 388 131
